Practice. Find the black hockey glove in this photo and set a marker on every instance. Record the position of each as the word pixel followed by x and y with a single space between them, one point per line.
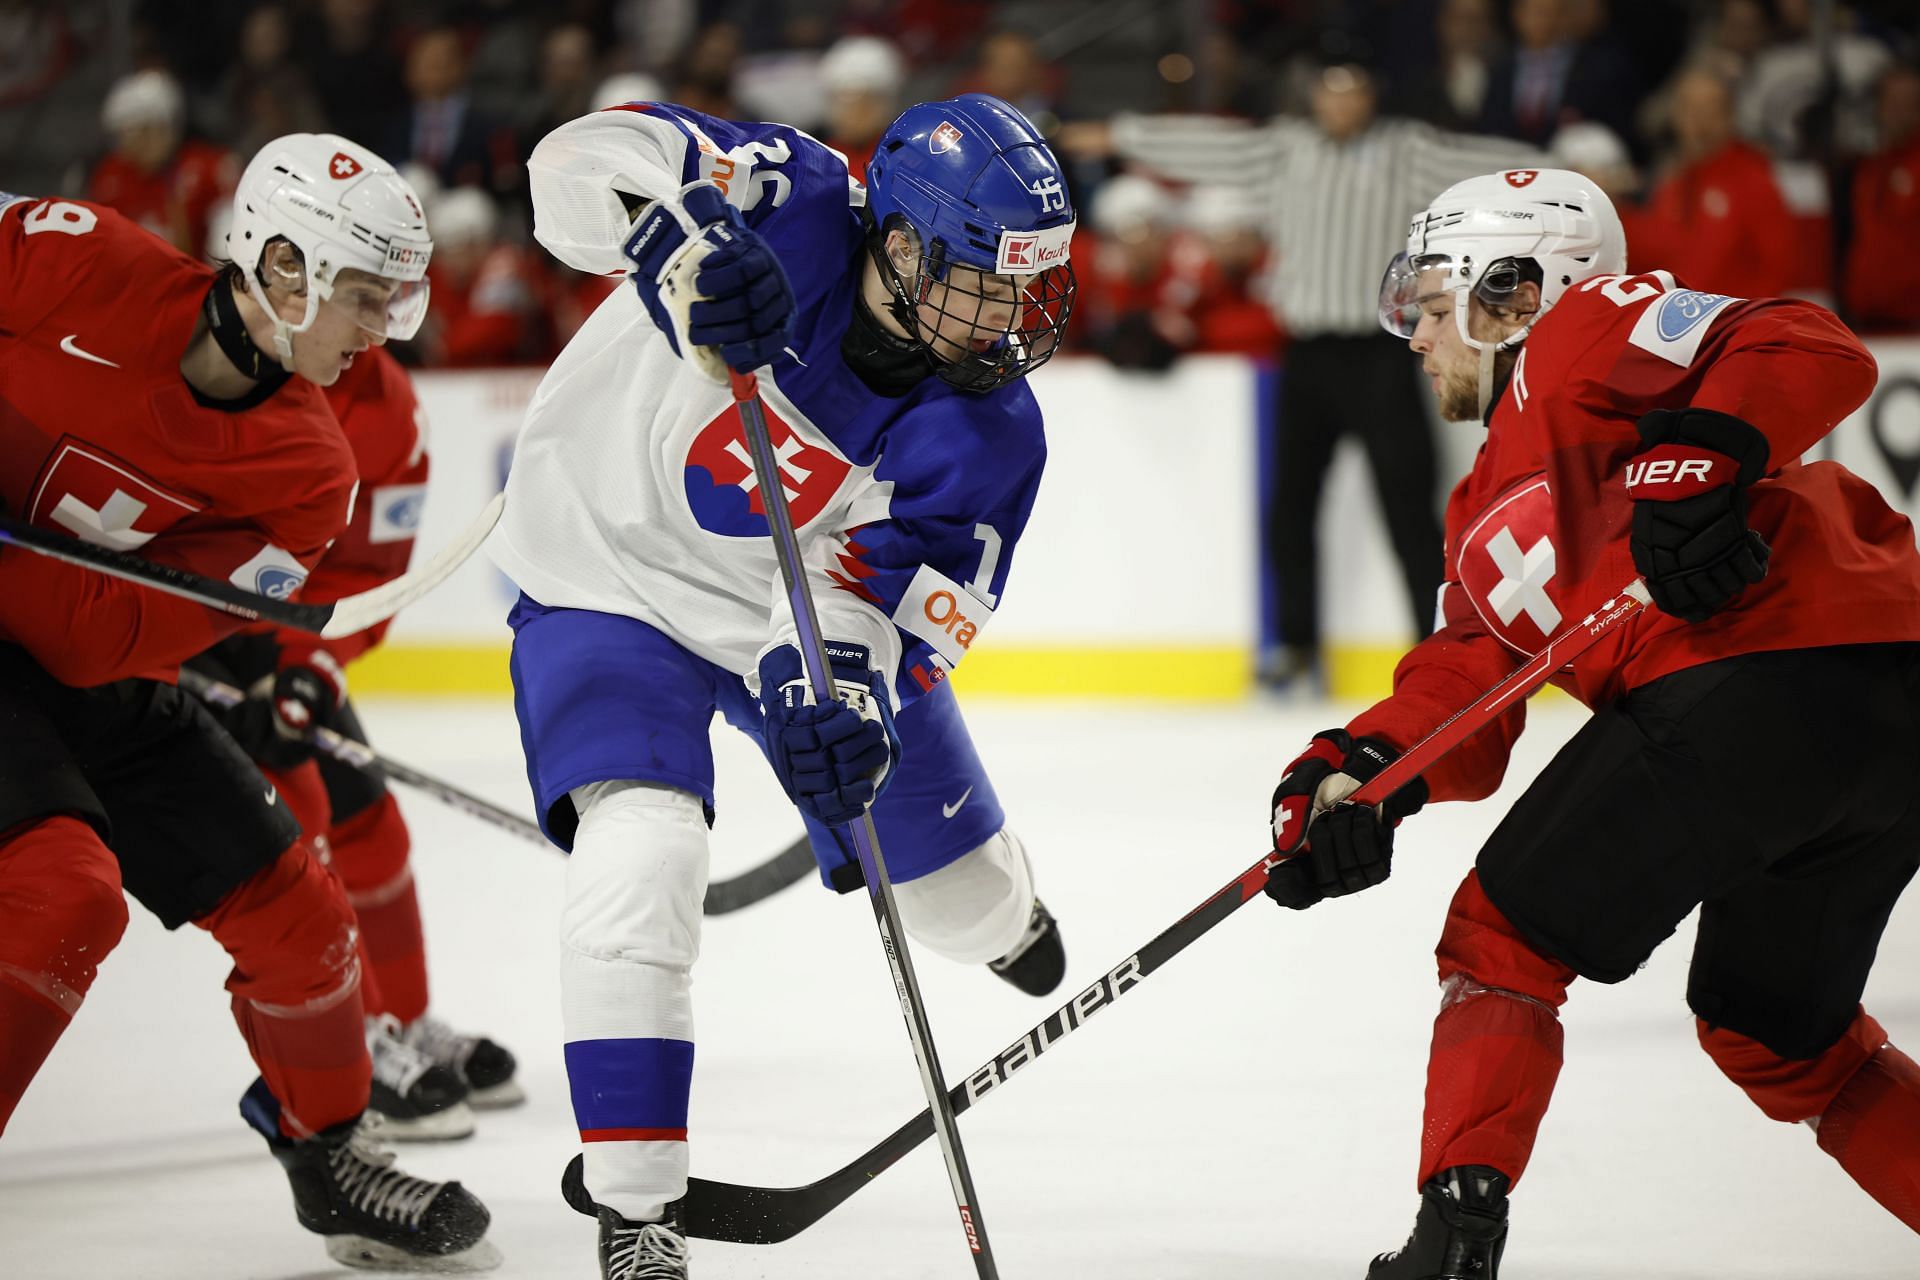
pixel 1690 538
pixel 1348 847
pixel 276 722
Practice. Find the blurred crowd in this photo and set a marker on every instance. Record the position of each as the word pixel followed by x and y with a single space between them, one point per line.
pixel 1754 146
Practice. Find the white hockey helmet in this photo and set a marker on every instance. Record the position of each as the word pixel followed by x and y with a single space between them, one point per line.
pixel 342 207
pixel 1485 237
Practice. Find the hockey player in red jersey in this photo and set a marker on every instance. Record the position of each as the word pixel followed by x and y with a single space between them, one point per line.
pixel 1638 427
pixel 151 403
pixel 424 1071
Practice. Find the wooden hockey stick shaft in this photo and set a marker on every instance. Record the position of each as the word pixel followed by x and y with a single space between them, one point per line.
pixel 332 620
pixel 866 841
pixel 789 866
pixel 766 1215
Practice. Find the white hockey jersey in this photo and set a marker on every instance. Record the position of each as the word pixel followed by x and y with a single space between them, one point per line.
pixel 631 490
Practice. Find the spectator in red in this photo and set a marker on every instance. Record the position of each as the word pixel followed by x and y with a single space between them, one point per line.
pixel 1883 262
pixel 1223 262
pixel 488 295
pixel 1716 218
pixel 862 76
pixel 1132 305
pixel 155 175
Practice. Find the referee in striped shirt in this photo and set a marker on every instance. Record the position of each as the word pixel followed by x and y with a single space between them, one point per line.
pixel 1339 190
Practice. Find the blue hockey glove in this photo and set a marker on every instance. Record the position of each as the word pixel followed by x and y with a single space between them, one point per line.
pixel 834 760
pixel 710 282
pixel 1348 847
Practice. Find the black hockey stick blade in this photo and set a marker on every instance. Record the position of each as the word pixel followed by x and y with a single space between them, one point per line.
pixel 789 866
pixel 336 618
pixel 767 1215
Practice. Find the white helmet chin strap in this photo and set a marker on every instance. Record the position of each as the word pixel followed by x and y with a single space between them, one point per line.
pixel 1489 351
pixel 283 331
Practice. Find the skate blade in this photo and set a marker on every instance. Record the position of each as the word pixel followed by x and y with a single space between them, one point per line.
pixel 371 1255
pixel 507 1093
pixel 446 1125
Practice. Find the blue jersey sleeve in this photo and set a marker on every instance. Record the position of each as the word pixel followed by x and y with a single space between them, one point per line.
pixel 964 474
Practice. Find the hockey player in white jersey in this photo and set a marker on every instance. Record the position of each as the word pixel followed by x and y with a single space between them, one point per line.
pixel 892 326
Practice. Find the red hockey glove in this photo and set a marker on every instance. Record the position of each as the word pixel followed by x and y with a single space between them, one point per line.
pixel 1690 538
pixel 1347 847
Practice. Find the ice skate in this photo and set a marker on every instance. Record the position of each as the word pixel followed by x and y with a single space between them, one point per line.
pixel 641 1250
pixel 485 1067
pixel 421 1100
pixel 373 1215
pixel 1038 961
pixel 1460 1233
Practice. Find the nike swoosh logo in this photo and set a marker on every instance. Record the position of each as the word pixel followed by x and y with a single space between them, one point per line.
pixel 272 795
pixel 948 810
pixel 68 345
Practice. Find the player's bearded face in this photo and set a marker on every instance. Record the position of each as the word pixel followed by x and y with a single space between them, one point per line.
pixel 1451 366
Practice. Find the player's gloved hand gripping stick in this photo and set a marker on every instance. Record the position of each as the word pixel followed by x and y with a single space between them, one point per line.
pixel 821 671
pixel 766 1215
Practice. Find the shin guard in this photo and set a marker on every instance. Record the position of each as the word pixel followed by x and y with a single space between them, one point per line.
pixel 1861 1095
pixel 296 989
pixel 371 856
pixel 1497 1043
pixel 63 910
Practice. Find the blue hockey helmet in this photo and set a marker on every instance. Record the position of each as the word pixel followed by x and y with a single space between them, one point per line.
pixel 971 184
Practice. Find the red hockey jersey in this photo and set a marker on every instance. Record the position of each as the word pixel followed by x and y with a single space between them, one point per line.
pixel 377 409
pixel 102 438
pixel 1537 533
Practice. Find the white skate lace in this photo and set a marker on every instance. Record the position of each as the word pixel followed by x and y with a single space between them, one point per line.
pixel 440 1042
pixel 396 1064
pixel 647 1251
pixel 363 1169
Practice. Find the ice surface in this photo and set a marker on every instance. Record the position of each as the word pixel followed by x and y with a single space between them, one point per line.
pixel 1251 1112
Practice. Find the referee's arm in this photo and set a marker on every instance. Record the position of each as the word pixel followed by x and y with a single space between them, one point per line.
pixel 1204 149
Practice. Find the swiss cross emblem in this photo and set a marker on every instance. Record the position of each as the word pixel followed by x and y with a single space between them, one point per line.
pixel 343 165
pixel 945 138
pixel 100 499
pixel 1507 563
pixel 723 491
pixel 1520 177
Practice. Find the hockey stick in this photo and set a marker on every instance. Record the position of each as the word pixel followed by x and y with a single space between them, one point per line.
pixel 332 620
pixel 787 867
pixel 866 841
pixel 767 1215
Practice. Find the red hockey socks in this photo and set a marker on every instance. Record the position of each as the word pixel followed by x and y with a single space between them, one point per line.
pixel 1861 1095
pixel 1496 1043
pixel 296 989
pixel 61 901
pixel 370 855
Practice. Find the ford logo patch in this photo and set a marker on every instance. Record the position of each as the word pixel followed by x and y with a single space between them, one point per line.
pixel 277 582
pixel 1681 312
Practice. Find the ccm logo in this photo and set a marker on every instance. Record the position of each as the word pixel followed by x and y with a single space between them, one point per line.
pixel 1669 471
pixel 943 611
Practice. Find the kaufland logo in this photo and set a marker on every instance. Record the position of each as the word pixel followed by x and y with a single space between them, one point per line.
pixel 1520 177
pixel 343 165
pixel 945 138
pixel 1031 252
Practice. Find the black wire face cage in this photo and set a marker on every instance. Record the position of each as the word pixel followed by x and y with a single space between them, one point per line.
pixel 1027 342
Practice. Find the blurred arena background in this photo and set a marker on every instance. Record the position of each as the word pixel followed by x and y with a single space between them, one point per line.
pixel 1754 146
